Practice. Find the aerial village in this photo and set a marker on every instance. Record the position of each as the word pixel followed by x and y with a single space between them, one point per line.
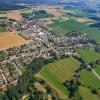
pixel 43 43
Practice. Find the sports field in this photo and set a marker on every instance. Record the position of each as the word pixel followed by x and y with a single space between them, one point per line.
pixel 89 79
pixel 89 54
pixel 63 27
pixel 58 72
pixel 10 39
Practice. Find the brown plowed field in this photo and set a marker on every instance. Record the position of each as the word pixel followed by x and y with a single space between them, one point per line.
pixel 10 39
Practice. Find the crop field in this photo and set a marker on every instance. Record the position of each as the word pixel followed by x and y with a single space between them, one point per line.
pixel 14 15
pixel 4 33
pixel 89 54
pixel 59 27
pixel 10 39
pixel 87 95
pixel 2 15
pixel 58 72
pixel 89 79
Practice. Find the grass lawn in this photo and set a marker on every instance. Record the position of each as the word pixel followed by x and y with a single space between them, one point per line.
pixel 86 94
pixel 64 27
pixel 97 69
pixel 89 79
pixel 89 54
pixel 58 72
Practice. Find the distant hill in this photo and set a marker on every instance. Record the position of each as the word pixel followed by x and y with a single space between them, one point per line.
pixel 25 1
pixel 6 5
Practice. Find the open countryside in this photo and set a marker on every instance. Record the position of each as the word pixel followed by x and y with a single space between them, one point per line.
pixel 63 68
pixel 50 50
pixel 60 27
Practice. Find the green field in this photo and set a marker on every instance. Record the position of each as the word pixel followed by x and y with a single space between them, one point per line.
pixel 89 79
pixel 86 94
pixel 58 72
pixel 26 11
pixel 25 14
pixel 64 27
pixel 40 14
pixel 89 54
pixel 3 17
pixel 2 28
pixel 97 69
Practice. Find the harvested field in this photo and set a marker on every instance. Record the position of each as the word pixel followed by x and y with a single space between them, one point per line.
pixel 2 15
pixel 10 39
pixel 14 15
pixel 84 20
pixel 4 33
